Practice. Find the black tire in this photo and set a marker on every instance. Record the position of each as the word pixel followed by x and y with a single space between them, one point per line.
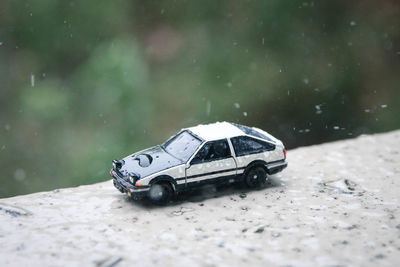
pixel 160 193
pixel 256 177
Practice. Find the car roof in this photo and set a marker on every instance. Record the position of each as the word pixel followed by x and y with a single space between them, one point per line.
pixel 216 131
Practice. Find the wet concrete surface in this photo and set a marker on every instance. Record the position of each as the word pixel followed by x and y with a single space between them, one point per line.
pixel 337 204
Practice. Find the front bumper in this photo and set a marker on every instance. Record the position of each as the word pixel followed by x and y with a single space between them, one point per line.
pixel 126 187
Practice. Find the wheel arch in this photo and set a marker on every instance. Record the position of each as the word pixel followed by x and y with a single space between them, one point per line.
pixel 255 163
pixel 164 178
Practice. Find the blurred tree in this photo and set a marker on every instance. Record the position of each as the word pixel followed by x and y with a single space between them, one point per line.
pixel 82 83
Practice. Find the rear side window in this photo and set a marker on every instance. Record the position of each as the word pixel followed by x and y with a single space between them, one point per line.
pixel 215 150
pixel 244 145
pixel 252 132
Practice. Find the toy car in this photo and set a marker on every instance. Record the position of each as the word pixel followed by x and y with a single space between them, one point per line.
pixel 221 152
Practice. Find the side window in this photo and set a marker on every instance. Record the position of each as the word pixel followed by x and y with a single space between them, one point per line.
pixel 244 145
pixel 212 151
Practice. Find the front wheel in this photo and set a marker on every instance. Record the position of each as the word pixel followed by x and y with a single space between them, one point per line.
pixel 256 177
pixel 160 193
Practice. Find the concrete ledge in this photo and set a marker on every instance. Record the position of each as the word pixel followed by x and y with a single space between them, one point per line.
pixel 336 204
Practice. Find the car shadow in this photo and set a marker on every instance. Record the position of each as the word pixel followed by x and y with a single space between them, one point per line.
pixel 210 191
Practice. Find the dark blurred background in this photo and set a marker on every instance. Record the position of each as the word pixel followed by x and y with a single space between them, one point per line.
pixel 85 82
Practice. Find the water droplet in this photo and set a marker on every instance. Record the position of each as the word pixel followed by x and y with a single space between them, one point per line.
pixel 32 80
pixel 353 23
pixel 245 114
pixel 384 106
pixel 306 81
pixel 229 84
pixel 19 175
pixel 236 105
pixel 208 107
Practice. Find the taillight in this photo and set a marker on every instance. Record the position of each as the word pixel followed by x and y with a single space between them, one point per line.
pixel 284 153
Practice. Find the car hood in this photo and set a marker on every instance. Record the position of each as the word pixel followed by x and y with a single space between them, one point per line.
pixel 147 162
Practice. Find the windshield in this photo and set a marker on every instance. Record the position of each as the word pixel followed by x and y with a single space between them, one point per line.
pixel 182 145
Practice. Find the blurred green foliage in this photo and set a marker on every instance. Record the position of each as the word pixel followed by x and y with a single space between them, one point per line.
pixel 85 82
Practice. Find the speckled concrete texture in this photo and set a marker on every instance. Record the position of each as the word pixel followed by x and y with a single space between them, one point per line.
pixel 337 204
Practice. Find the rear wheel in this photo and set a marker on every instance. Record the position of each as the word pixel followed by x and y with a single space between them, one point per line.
pixel 256 177
pixel 160 193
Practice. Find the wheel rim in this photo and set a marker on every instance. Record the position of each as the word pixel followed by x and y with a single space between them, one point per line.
pixel 256 177
pixel 158 192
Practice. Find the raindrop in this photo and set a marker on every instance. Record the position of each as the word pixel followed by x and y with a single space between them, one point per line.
pixel 236 105
pixel 306 81
pixel 32 80
pixel 208 107
pixel 336 127
pixel 19 175
pixel 353 23
pixel 245 114
pixel 367 110
pixel 318 108
pixel 7 127
pixel 384 106
pixel 229 84
pixel 1 43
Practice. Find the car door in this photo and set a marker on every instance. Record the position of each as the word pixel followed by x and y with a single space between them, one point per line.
pixel 212 163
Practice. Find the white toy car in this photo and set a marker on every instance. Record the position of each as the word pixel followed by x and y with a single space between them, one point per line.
pixel 221 152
